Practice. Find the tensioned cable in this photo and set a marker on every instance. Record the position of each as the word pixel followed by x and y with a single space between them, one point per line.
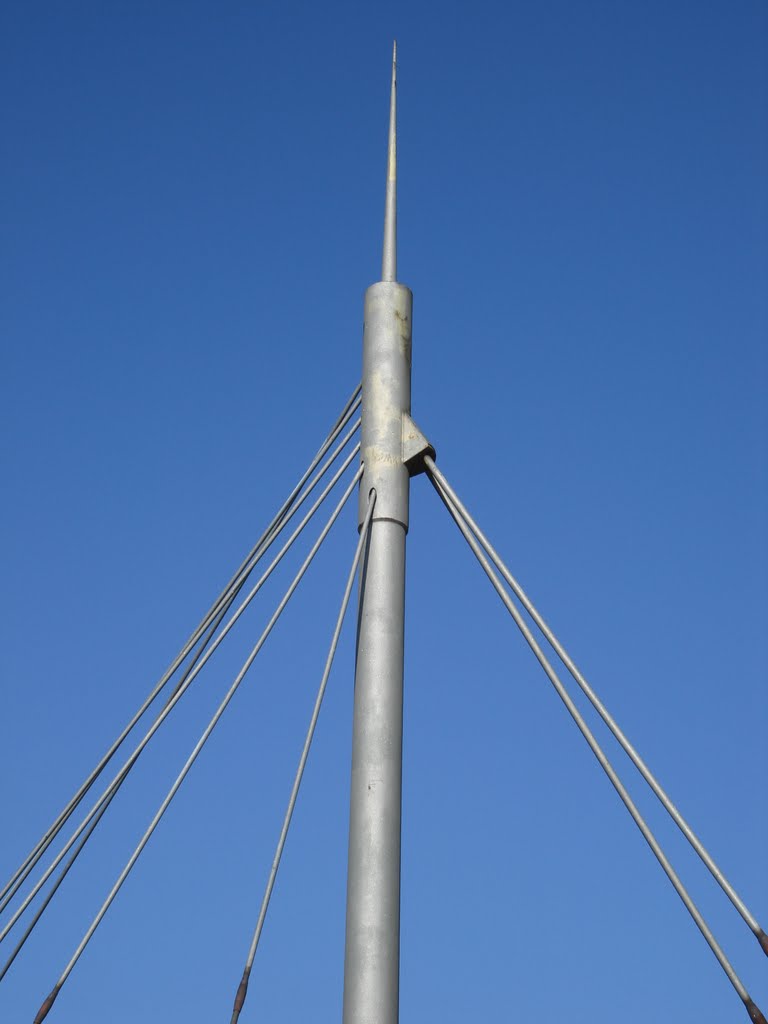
pixel 754 1012
pixel 243 986
pixel 48 1002
pixel 190 671
pixel 250 564
pixel 168 707
pixel 54 888
pixel 65 870
pixel 352 404
pixel 91 828
pixel 606 716
pixel 286 513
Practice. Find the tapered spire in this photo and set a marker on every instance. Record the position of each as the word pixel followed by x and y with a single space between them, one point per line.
pixel 389 251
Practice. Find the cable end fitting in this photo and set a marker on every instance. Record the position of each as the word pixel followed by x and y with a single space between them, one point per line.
pixel 42 1013
pixel 242 990
pixel 754 1012
pixel 762 938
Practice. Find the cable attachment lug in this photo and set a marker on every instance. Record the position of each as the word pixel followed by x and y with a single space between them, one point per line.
pixel 415 447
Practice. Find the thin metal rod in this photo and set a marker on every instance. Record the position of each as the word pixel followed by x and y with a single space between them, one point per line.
pixel 32 858
pixel 597 750
pixel 243 986
pixel 168 707
pixel 44 842
pixel 606 716
pixel 221 614
pixel 288 508
pixel 95 821
pixel 389 248
pixel 48 1002
pixel 268 540
pixel 259 549
pixel 54 888
pixel 192 669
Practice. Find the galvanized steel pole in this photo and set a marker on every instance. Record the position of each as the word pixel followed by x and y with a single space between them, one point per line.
pixel 372 954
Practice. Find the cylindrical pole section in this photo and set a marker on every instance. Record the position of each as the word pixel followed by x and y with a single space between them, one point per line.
pixel 372 953
pixel 372 960
pixel 372 956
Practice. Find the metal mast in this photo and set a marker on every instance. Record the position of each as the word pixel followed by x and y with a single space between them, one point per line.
pixel 391 450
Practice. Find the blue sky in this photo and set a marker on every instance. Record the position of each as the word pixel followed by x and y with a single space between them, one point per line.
pixel 192 201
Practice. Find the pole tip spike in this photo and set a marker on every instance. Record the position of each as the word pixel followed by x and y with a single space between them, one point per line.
pixel 389 251
pixel 392 146
pixel 754 1012
pixel 762 938
pixel 42 1013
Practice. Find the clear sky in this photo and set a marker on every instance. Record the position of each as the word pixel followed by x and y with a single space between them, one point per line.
pixel 191 199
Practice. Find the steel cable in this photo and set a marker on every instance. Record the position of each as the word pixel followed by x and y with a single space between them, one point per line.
pixel 117 780
pixel 48 1002
pixel 754 1012
pixel 54 888
pixel 190 672
pixel 5 895
pixel 243 986
pixel 606 716
pixel 250 564
pixel 65 870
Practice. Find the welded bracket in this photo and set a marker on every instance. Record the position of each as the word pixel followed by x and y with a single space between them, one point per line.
pixel 415 447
